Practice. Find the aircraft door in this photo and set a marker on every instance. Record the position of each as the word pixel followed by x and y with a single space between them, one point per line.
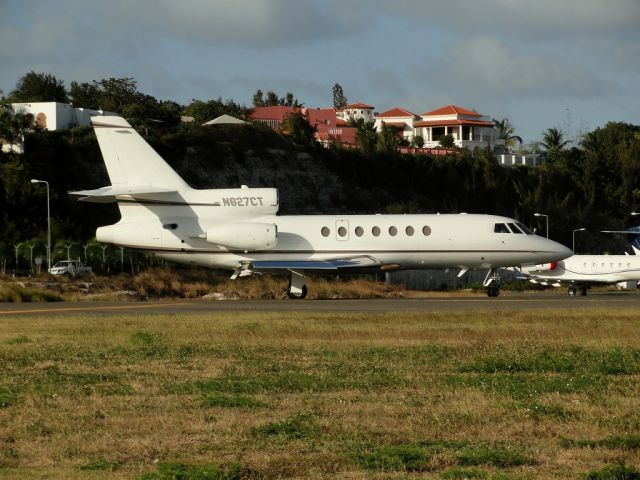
pixel 342 230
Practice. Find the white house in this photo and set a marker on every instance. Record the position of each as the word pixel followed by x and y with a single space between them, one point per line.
pixel 356 111
pixel 56 115
pixel 400 119
pixel 469 129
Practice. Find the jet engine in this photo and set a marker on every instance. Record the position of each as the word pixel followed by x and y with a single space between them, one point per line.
pixel 543 267
pixel 244 236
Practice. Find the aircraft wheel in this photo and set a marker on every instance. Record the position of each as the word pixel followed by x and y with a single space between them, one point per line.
pixel 493 291
pixel 298 296
pixel 583 291
pixel 571 291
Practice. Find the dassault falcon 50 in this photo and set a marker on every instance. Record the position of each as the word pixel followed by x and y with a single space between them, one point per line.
pixel 238 229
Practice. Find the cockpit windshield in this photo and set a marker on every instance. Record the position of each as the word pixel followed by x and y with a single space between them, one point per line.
pixel 524 229
pixel 517 227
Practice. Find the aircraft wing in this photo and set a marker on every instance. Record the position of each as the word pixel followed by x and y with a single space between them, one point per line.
pixel 355 264
pixel 108 194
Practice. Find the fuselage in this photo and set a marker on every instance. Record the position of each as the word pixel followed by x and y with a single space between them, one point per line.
pixel 176 229
pixel 588 270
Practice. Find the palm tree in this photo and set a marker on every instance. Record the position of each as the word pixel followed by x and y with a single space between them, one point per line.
pixel 366 135
pixel 553 139
pixel 506 132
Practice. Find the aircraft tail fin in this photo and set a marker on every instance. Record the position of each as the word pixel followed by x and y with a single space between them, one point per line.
pixel 130 160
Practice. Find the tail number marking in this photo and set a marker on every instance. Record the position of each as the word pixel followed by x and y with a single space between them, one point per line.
pixel 242 201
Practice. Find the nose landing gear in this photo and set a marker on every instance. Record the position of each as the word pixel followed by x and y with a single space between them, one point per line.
pixel 492 282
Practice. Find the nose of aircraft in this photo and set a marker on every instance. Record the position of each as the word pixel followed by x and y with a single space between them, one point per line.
pixel 554 251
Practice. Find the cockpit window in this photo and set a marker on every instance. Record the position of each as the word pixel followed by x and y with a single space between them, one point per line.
pixel 524 229
pixel 513 228
pixel 500 228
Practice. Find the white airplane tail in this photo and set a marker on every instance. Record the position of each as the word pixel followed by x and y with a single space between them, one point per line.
pixel 134 167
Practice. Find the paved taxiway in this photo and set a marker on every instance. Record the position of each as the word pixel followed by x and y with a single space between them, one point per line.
pixel 454 303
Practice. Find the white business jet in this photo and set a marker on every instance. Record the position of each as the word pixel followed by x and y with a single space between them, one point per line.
pixel 238 229
pixel 579 272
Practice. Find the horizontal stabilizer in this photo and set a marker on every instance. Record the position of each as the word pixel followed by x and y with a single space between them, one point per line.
pixel 108 194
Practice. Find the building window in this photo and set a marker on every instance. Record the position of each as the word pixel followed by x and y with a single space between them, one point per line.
pixel 375 231
pixel 409 231
pixel 426 230
pixel 359 231
pixel 325 231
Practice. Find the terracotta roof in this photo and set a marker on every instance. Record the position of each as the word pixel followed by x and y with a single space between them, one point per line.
pixel 396 112
pixel 271 113
pixel 452 110
pixel 358 105
pixel 395 124
pixel 442 123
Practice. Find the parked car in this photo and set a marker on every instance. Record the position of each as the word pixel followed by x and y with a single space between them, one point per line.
pixel 69 267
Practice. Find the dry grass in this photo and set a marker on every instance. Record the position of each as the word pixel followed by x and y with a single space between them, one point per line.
pixel 176 283
pixel 455 395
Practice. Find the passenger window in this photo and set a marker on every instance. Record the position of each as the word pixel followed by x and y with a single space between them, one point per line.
pixel 594 265
pixel 602 265
pixel 426 230
pixel 611 266
pixel 393 231
pixel 342 231
pixel 375 231
pixel 500 228
pixel 359 231
pixel 513 228
pixel 619 265
pixel 325 231
pixel 409 231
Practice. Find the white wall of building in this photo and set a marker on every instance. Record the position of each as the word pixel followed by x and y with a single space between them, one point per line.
pixel 57 116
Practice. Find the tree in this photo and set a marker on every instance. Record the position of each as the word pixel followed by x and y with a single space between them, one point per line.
pixel 417 141
pixel 39 87
pixel 506 132
pixel 366 135
pixel 339 100
pixel 553 139
pixel 447 141
pixel 273 100
pixel 85 95
pixel 258 99
pixel 387 140
pixel 553 142
pixel 296 126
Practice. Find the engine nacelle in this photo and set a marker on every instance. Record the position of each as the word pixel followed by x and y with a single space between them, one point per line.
pixel 244 236
pixel 543 267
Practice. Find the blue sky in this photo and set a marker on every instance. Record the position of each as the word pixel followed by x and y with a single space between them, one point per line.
pixel 571 64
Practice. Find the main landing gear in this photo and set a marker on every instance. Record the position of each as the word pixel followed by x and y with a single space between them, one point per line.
pixel 492 282
pixel 580 290
pixel 297 290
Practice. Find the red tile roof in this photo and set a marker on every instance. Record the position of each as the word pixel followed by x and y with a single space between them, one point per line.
pixel 396 112
pixel 358 105
pixel 395 124
pixel 452 110
pixel 271 113
pixel 442 123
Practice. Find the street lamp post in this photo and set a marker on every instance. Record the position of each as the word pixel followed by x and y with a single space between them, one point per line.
pixel 573 245
pixel 33 180
pixel 546 217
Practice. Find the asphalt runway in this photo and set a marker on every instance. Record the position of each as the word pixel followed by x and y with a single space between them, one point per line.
pixel 508 301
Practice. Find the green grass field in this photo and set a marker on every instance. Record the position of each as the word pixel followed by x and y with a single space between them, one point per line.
pixel 552 394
